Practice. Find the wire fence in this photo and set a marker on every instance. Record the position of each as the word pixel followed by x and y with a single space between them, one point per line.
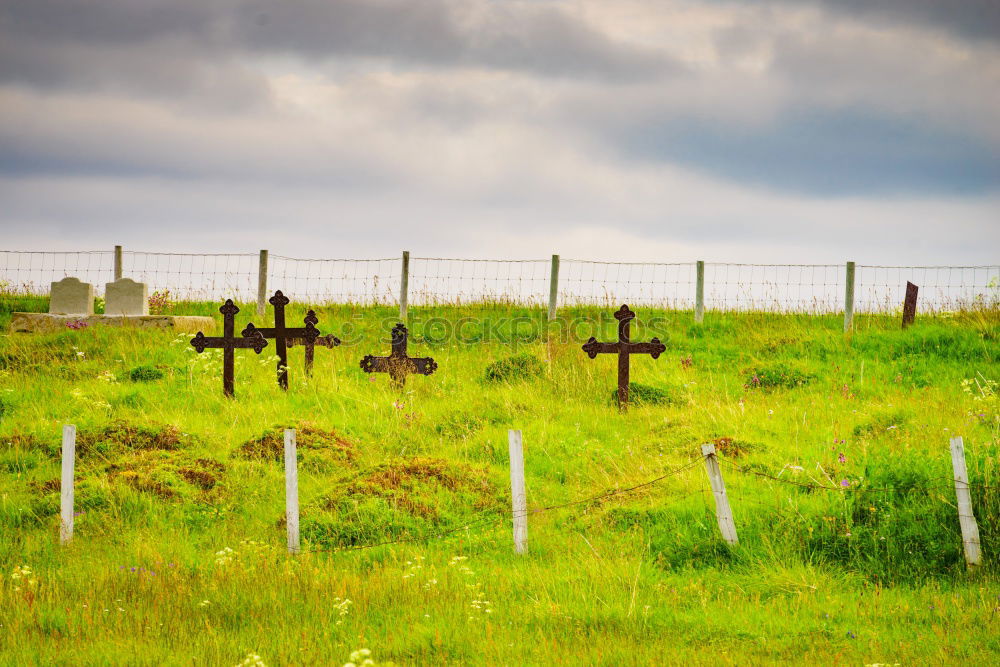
pixel 795 288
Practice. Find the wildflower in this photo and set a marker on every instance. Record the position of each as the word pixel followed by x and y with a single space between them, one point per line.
pixel 841 457
pixel 252 660
pixel 204 603
pixel 398 405
pixel 22 576
pixel 844 483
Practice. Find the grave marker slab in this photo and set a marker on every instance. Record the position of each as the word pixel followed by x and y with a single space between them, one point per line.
pixel 126 297
pixel 69 296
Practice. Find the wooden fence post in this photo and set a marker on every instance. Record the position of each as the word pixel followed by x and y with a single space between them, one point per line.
pixel 699 293
pixel 404 286
pixel 118 262
pixel 291 492
pixel 910 304
pixel 723 512
pixel 849 297
pixel 554 288
pixel 66 483
pixel 262 283
pixel 967 520
pixel 518 493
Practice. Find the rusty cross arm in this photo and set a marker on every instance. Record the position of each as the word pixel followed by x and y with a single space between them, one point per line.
pixel 280 333
pixel 310 344
pixel 654 348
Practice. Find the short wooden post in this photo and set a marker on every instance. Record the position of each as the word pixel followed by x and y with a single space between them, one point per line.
pixel 118 262
pixel 967 520
pixel 910 304
pixel 518 494
pixel 554 288
pixel 699 293
pixel 722 510
pixel 291 492
pixel 404 285
pixel 849 297
pixel 262 283
pixel 66 483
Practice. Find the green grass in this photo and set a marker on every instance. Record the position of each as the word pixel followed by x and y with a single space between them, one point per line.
pixel 176 480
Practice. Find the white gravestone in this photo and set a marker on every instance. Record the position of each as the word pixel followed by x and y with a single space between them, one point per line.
pixel 126 297
pixel 69 296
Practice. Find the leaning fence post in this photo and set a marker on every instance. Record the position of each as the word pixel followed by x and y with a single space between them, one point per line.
pixel 699 293
pixel 967 520
pixel 518 494
pixel 262 283
pixel 849 297
pixel 291 492
pixel 554 288
pixel 118 262
pixel 404 285
pixel 66 483
pixel 723 512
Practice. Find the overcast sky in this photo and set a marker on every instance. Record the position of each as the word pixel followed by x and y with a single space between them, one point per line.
pixel 724 130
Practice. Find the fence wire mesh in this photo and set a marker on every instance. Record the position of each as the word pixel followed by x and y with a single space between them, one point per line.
pixel 798 288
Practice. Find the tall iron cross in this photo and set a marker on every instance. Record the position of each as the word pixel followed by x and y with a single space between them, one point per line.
pixel 310 344
pixel 228 342
pixel 397 364
pixel 280 333
pixel 623 348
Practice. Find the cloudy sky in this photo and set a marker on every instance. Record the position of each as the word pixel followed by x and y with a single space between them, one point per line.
pixel 724 130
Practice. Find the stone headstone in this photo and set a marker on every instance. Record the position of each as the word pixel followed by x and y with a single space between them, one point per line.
pixel 126 297
pixel 69 296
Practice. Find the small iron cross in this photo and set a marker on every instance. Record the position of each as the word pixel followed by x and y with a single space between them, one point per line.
pixel 397 364
pixel 623 348
pixel 310 344
pixel 280 333
pixel 228 342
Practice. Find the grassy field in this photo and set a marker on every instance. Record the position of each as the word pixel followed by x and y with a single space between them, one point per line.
pixel 179 556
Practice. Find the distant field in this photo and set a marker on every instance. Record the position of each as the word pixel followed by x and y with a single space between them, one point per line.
pixel 179 551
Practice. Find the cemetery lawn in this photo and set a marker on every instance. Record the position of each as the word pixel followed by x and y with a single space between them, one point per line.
pixel 179 551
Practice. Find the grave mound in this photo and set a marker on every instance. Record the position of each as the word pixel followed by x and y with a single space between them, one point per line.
pixel 271 445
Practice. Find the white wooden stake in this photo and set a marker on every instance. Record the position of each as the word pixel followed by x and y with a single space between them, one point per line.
pixel 66 484
pixel 291 492
pixel 970 530
pixel 722 510
pixel 518 494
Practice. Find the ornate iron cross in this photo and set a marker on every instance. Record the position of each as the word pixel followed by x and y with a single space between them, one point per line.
pixel 310 344
pixel 228 342
pixel 623 348
pixel 280 333
pixel 397 364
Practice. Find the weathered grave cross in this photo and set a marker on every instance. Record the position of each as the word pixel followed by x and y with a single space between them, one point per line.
pixel 280 333
pixel 228 342
pixel 310 344
pixel 623 348
pixel 397 364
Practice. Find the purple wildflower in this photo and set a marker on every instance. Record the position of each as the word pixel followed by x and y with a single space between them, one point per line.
pixel 844 483
pixel 841 457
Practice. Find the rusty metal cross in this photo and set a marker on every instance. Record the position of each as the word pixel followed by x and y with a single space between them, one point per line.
pixel 228 342
pixel 310 344
pixel 397 364
pixel 623 348
pixel 280 333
